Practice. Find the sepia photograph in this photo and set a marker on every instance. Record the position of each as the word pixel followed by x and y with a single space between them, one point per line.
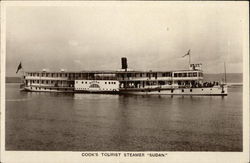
pixel 129 79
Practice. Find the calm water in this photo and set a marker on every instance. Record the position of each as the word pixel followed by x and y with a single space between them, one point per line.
pixel 93 122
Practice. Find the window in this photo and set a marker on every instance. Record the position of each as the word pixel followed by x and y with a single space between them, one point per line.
pixel 191 90
pixel 82 82
pixel 94 86
pixel 182 90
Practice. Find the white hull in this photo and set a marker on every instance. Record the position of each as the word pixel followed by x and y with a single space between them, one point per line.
pixel 184 91
pixel 205 91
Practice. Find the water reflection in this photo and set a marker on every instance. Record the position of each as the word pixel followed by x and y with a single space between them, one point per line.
pixel 89 122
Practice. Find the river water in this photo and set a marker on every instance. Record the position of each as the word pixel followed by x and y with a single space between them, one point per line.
pixel 96 122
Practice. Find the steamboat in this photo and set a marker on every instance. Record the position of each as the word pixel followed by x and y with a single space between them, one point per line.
pixel 124 81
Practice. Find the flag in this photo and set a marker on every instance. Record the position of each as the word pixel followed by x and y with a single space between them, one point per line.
pixel 19 67
pixel 188 53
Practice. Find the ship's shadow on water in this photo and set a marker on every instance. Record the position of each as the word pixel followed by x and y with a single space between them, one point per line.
pixel 102 122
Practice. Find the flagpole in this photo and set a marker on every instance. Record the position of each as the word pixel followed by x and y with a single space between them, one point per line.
pixel 189 59
pixel 225 73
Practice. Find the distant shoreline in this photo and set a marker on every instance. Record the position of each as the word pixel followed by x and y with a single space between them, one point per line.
pixel 232 78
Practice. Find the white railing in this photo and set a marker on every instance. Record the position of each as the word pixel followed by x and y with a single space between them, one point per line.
pixel 45 78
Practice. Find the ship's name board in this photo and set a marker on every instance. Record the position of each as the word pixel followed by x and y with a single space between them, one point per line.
pixel 195 66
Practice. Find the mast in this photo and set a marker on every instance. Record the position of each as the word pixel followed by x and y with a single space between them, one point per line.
pixel 189 57
pixel 225 73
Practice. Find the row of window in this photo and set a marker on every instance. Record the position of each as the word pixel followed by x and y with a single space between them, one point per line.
pixel 100 89
pixel 48 75
pixel 166 74
pixel 65 75
pixel 39 88
pixel 189 90
pixel 193 74
pixel 110 82
pixel 46 82
pixel 98 82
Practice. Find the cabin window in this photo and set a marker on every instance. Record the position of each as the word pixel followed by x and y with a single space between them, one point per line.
pixel 182 90
pixel 191 90
pixel 105 82
pixel 82 82
pixel 94 86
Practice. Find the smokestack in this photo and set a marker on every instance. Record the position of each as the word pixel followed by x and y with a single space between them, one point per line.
pixel 124 63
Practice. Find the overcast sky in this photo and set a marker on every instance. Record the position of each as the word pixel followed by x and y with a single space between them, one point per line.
pixel 152 35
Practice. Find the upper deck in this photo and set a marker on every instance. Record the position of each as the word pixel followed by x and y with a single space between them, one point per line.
pixel 116 75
